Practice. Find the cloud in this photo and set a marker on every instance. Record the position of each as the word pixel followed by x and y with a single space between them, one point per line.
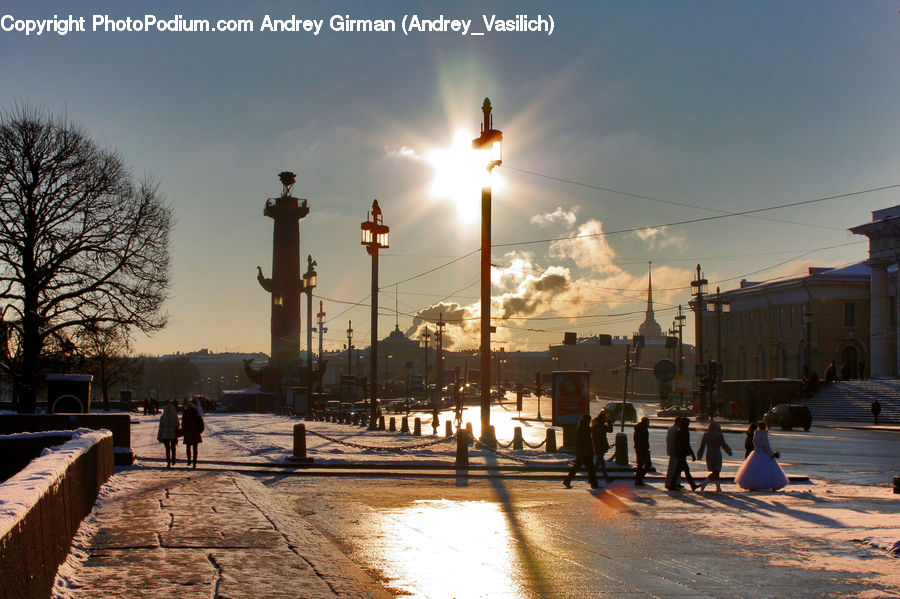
pixel 588 248
pixel 404 152
pixel 658 238
pixel 557 216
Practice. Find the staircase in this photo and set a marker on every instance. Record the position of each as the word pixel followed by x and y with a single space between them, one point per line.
pixel 851 401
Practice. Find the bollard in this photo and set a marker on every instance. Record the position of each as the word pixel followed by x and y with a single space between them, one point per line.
pixel 491 440
pixel 417 427
pixel 355 419
pixel 404 424
pixel 392 425
pixel 300 443
pixel 462 449
pixel 469 436
pixel 897 485
pixel 518 441
pixel 448 429
pixel 551 440
pixel 381 423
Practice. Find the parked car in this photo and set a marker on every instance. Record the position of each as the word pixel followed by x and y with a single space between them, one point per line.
pixel 614 412
pixel 788 416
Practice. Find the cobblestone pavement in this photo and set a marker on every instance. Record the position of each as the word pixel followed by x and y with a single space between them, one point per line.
pixel 195 534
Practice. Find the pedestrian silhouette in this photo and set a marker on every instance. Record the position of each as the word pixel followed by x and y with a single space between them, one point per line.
pixel 876 410
pixel 584 453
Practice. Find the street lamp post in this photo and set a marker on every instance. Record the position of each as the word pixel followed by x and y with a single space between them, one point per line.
pixel 807 354
pixel 349 347
pixel 718 305
pixel 490 140
pixel 427 337
pixel 320 328
pixel 699 287
pixel 374 237
pixel 307 284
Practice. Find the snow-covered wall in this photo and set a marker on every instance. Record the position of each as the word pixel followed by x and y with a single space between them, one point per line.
pixel 42 506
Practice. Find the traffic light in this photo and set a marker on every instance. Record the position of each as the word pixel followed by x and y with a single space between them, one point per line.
pixel 713 372
pixel 537 383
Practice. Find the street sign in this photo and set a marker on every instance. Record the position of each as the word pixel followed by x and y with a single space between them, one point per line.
pixel 680 383
pixel 664 371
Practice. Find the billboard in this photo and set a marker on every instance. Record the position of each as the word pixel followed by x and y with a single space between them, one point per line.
pixel 571 397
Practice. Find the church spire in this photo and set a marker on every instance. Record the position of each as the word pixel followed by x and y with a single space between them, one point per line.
pixel 650 328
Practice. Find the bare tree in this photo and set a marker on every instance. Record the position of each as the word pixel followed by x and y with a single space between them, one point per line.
pixel 82 243
pixel 107 355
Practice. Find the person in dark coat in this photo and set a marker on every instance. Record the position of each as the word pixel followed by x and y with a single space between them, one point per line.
pixel 683 450
pixel 599 427
pixel 192 426
pixel 642 450
pixel 584 453
pixel 748 440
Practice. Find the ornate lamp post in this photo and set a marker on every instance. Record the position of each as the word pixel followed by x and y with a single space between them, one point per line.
pixel 310 278
pixel 490 140
pixel 374 237
pixel 699 288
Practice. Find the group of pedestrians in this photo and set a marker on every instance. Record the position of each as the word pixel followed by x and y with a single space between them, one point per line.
pixel 760 470
pixel 190 428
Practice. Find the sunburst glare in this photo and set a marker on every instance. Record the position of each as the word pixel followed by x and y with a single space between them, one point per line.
pixel 459 174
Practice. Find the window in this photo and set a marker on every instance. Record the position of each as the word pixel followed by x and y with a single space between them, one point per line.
pixel 849 314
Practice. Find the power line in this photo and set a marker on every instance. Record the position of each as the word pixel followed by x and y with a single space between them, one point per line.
pixel 701 219
pixel 661 201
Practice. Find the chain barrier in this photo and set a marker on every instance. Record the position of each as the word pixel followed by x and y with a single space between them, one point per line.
pixel 514 458
pixel 531 446
pixel 381 447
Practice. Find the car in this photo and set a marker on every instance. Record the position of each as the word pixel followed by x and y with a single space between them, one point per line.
pixel 788 416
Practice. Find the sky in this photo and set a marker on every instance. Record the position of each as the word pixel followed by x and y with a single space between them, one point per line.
pixel 625 120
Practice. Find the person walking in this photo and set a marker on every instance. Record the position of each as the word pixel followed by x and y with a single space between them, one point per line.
pixel 714 443
pixel 748 440
pixel 584 453
pixel 192 425
pixel 876 410
pixel 672 478
pixel 599 427
pixel 642 450
pixel 167 433
pixel 761 470
pixel 683 450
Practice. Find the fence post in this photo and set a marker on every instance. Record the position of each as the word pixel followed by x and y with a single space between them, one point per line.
pixel 417 427
pixel 392 425
pixel 381 423
pixel 404 425
pixel 551 440
pixel 518 441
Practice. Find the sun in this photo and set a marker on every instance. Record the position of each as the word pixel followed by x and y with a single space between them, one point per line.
pixel 459 175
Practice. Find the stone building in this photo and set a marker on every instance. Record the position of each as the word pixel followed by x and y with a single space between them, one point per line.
pixel 848 315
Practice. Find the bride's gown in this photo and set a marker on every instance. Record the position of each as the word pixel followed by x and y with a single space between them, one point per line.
pixel 761 470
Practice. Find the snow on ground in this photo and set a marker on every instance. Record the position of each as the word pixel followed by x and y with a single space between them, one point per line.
pixel 269 437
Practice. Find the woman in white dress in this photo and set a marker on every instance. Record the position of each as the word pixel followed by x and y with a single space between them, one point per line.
pixel 761 471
